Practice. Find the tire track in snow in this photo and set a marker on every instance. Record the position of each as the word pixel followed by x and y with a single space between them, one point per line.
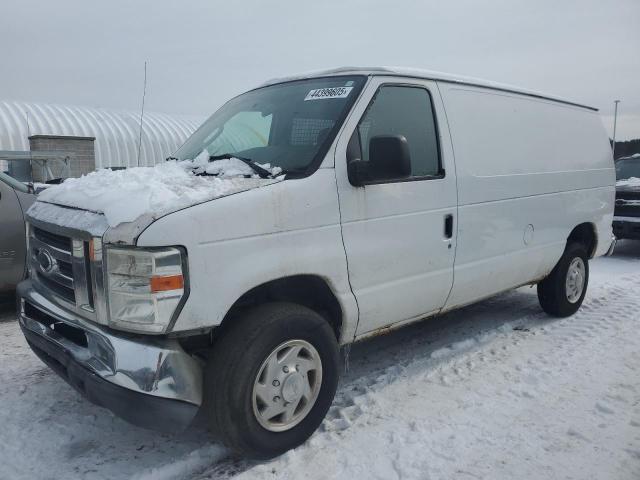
pixel 448 363
pixel 568 334
pixel 508 334
pixel 527 357
pixel 455 362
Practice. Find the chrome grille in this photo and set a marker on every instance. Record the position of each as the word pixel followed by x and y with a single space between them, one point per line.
pixel 53 239
pixel 51 260
pixel 60 265
pixel 74 238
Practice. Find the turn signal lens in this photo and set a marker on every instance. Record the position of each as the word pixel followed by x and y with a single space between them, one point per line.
pixel 166 282
pixel 95 249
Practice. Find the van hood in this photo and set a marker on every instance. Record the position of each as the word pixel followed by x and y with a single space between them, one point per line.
pixel 121 204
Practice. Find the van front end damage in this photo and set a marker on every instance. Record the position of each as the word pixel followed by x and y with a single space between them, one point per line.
pixel 148 381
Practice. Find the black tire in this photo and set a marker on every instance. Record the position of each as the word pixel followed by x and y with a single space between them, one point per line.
pixel 235 363
pixel 552 291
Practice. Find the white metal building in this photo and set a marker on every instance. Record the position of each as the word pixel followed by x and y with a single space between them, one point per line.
pixel 116 132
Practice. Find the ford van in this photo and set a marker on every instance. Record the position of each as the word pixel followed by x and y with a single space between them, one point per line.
pixel 304 215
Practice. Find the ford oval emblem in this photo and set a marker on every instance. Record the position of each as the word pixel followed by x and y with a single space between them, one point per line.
pixel 45 261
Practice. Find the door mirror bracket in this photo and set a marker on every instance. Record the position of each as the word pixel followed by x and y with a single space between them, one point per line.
pixel 358 172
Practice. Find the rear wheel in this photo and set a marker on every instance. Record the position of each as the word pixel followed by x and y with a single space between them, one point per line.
pixel 562 292
pixel 271 379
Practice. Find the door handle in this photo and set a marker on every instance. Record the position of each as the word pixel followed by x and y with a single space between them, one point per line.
pixel 448 226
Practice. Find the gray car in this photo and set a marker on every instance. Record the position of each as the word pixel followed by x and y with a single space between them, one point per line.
pixel 15 199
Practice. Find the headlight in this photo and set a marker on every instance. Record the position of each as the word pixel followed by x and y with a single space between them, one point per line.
pixel 145 288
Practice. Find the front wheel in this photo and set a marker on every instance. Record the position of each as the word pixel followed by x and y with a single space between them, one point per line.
pixel 271 379
pixel 562 292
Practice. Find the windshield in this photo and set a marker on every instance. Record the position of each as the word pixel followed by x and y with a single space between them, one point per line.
pixel 288 125
pixel 13 183
pixel 628 168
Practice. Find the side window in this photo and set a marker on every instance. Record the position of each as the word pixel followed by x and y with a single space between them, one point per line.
pixel 404 111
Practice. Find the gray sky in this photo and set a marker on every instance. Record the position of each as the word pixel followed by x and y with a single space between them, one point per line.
pixel 201 52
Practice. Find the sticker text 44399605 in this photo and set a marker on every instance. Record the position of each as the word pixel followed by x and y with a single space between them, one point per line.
pixel 325 93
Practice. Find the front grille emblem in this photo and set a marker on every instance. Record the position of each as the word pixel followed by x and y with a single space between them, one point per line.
pixel 45 261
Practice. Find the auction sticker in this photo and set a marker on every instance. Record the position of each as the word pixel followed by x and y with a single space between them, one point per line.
pixel 325 93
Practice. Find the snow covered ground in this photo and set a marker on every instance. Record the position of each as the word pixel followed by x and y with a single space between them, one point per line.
pixel 497 390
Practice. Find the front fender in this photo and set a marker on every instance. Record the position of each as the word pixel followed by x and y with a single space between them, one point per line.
pixel 239 242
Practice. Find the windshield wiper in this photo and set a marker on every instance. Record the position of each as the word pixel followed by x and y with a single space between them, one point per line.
pixel 262 172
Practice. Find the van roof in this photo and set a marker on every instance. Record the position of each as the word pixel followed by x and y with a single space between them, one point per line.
pixel 424 74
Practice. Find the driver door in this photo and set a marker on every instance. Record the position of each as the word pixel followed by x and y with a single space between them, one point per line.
pixel 399 235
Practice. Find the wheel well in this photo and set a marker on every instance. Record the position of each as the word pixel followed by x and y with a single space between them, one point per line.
pixel 308 290
pixel 584 234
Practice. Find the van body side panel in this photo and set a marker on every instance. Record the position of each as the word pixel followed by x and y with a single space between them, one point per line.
pixel 241 241
pixel 400 263
pixel 529 171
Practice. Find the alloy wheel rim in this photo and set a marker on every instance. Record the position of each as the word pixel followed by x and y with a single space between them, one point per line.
pixel 287 385
pixel 574 284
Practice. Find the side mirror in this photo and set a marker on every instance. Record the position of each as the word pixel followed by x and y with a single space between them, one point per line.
pixel 389 157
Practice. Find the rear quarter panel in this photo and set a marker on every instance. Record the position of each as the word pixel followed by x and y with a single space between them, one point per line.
pixel 529 170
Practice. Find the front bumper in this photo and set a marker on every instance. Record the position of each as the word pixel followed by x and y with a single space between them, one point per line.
pixel 626 227
pixel 150 382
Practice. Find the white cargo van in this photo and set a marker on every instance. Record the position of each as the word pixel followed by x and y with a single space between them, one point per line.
pixel 306 214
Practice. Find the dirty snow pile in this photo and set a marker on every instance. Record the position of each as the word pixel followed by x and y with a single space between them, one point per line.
pixel 629 182
pixel 125 195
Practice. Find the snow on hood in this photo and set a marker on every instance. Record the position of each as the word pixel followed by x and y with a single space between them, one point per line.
pixel 125 195
pixel 629 182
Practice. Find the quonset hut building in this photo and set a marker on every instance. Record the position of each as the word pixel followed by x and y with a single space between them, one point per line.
pixel 46 141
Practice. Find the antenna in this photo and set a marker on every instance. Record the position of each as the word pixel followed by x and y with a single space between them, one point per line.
pixel 144 93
